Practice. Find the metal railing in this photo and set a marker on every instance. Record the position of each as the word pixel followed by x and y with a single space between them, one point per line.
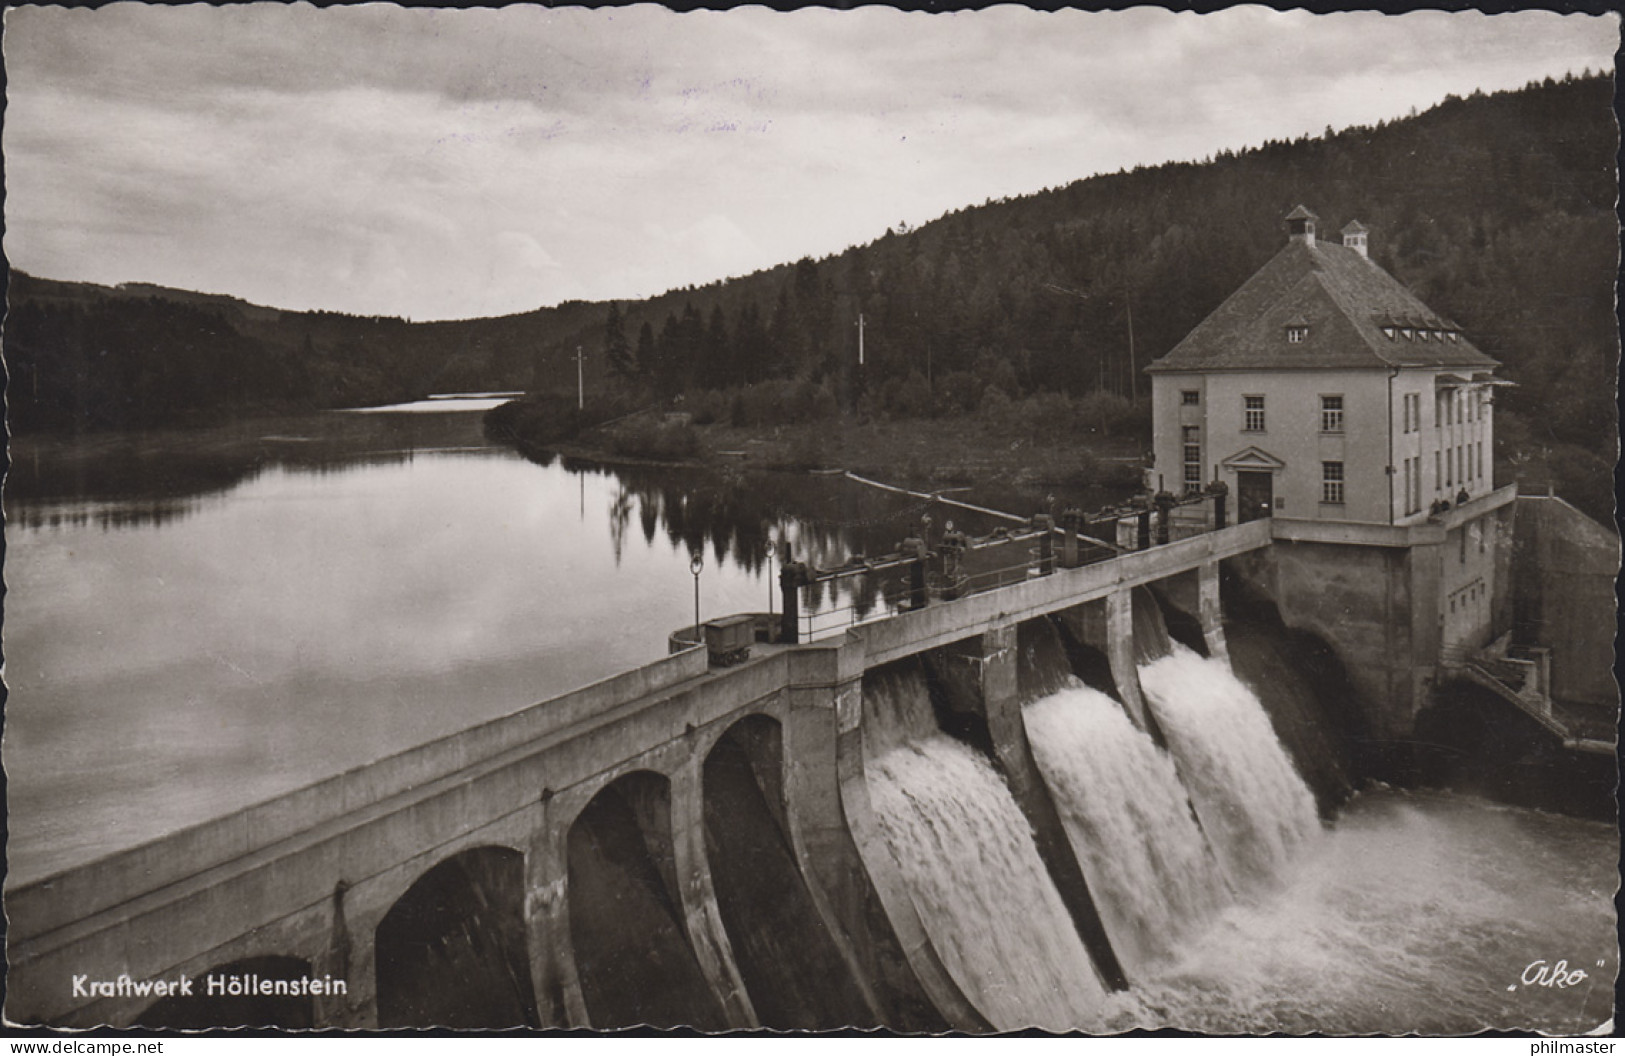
pixel 957 564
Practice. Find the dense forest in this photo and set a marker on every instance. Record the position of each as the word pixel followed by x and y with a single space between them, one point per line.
pixel 1498 210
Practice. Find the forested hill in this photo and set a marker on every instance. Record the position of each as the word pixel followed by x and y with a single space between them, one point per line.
pixel 1497 210
pixel 86 357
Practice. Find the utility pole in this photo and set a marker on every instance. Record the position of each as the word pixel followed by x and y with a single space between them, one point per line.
pixel 581 389
pixel 1133 383
pixel 1128 307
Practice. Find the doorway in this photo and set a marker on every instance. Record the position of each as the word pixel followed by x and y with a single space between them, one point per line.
pixel 1255 494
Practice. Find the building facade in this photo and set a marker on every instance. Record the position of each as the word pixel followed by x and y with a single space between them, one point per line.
pixel 1322 389
pixel 1324 394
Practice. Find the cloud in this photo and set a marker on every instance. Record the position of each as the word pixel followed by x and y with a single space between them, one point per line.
pixel 453 162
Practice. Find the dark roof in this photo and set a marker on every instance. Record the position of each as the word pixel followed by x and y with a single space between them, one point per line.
pixel 1344 298
pixel 1301 213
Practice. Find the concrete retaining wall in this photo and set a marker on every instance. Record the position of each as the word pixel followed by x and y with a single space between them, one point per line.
pixel 1565 567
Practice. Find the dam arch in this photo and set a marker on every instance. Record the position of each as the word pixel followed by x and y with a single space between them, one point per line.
pixel 451 951
pixel 633 954
pixel 795 973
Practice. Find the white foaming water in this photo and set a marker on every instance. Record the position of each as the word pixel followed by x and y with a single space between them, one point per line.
pixel 1151 874
pixel 1253 806
pixel 967 855
pixel 1418 912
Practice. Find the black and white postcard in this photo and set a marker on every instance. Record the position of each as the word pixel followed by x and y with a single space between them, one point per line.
pixel 955 522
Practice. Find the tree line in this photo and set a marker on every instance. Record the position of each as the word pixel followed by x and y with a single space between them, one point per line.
pixel 1497 210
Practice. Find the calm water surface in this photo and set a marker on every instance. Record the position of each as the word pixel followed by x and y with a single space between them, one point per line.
pixel 197 621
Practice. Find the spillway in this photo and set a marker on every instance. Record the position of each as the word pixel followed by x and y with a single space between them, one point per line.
pixel 1151 873
pixel 967 856
pixel 1429 913
pixel 1253 806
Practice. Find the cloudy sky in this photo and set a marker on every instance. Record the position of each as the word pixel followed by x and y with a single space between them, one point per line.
pixel 447 163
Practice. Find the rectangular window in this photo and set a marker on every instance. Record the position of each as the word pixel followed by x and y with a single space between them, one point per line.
pixel 1190 397
pixel 1450 467
pixel 1449 410
pixel 1416 497
pixel 1481 458
pixel 1191 441
pixel 1253 417
pixel 1438 473
pixel 1331 414
pixel 1407 485
pixel 1331 482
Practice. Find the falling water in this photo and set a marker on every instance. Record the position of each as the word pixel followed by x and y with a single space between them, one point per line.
pixel 967 855
pixel 1418 912
pixel 1253 806
pixel 1152 875
pixel 1414 912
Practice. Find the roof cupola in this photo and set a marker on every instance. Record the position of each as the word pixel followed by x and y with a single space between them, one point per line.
pixel 1354 237
pixel 1300 225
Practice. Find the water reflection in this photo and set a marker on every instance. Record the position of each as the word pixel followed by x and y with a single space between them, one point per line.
pixel 122 480
pixel 750 519
pixel 200 620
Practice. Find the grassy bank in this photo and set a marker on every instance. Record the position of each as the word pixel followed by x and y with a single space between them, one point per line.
pixel 1021 450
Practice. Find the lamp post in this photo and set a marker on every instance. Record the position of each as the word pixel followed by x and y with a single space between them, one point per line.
pixel 696 564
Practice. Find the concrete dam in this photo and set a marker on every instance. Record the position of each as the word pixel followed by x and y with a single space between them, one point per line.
pixel 993 809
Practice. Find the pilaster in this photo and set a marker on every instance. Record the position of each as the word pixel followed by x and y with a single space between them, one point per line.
pixel 357 1008
pixel 1120 653
pixel 1210 611
pixel 547 924
pixel 700 914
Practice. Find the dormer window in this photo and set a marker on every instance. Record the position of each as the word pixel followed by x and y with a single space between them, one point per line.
pixel 1454 337
pixel 1295 335
pixel 1388 332
pixel 1405 332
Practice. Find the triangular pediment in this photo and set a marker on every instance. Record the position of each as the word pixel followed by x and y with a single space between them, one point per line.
pixel 1253 458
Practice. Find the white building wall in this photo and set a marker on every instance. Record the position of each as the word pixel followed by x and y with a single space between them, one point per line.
pixel 1443 441
pixel 1451 445
pixel 1292 433
pixel 1467 586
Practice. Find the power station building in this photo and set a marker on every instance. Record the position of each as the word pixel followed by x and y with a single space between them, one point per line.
pixel 1322 389
pixel 1325 395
